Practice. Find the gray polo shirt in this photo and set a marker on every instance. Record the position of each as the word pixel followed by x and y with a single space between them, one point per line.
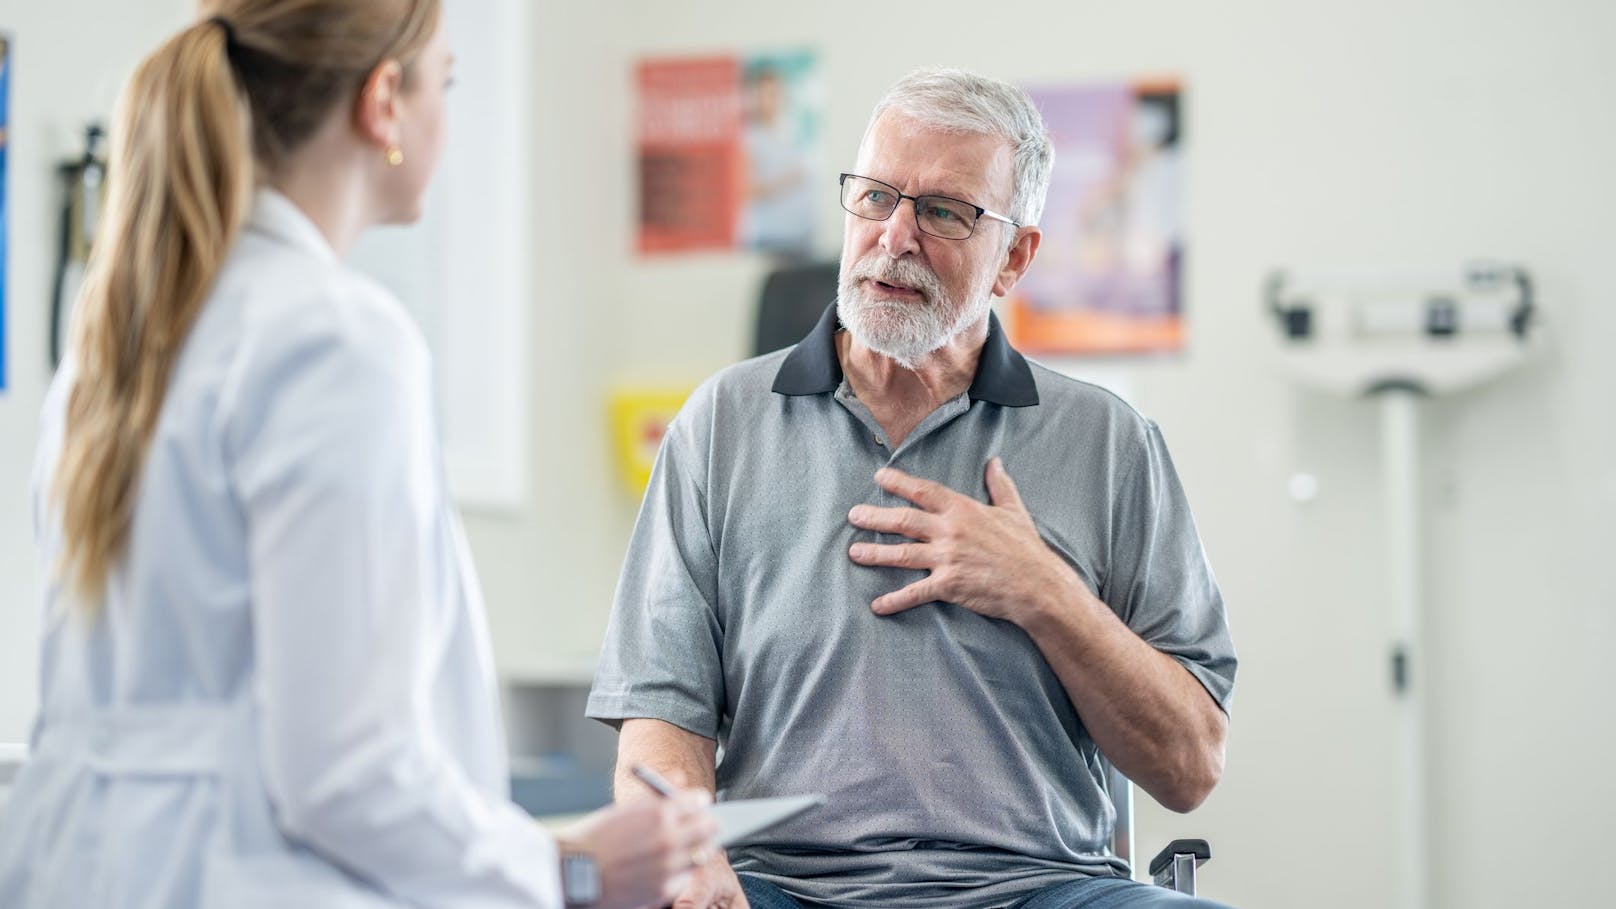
pixel 958 771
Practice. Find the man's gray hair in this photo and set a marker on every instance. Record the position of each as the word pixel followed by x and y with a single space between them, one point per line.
pixel 954 100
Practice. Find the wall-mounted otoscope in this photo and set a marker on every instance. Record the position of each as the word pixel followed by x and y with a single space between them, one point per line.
pixel 83 191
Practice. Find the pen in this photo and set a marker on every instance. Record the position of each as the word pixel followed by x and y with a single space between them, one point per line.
pixel 655 781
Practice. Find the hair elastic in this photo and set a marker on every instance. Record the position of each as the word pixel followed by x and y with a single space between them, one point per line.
pixel 229 32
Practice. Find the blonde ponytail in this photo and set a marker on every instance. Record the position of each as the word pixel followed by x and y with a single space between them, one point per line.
pixel 180 183
pixel 224 101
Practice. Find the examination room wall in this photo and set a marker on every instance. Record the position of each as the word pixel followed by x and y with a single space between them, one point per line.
pixel 1367 134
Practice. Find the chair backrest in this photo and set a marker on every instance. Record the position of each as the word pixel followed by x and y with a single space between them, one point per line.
pixel 793 299
pixel 12 757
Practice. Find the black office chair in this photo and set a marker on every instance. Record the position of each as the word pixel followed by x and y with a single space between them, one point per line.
pixel 793 299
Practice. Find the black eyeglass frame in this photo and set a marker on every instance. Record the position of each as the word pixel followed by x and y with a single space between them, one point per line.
pixel 841 181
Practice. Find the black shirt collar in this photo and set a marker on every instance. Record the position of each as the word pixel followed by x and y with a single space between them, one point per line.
pixel 1002 375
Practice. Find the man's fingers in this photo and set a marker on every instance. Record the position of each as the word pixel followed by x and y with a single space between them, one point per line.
pixel 909 522
pixel 1001 489
pixel 920 592
pixel 928 495
pixel 891 555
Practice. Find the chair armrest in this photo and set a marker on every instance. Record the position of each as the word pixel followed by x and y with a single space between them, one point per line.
pixel 1174 867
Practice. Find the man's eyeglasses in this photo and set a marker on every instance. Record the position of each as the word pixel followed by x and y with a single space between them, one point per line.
pixel 940 216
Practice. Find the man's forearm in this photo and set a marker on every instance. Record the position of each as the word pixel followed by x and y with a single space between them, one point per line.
pixel 1148 714
pixel 684 758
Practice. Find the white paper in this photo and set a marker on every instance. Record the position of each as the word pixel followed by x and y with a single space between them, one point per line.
pixel 744 817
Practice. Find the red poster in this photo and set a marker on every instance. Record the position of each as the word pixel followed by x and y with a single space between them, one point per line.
pixel 691 169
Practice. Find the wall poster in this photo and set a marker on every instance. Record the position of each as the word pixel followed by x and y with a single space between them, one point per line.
pixel 1108 279
pixel 728 153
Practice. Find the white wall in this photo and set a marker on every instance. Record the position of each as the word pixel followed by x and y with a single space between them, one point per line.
pixel 1373 133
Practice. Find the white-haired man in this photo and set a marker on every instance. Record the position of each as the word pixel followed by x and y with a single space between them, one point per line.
pixel 835 586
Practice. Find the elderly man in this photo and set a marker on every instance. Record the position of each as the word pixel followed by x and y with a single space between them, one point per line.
pixel 836 586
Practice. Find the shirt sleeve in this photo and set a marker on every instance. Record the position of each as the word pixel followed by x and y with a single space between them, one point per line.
pixel 662 654
pixel 334 461
pixel 1160 582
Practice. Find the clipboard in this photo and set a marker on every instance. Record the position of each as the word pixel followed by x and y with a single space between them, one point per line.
pixel 740 819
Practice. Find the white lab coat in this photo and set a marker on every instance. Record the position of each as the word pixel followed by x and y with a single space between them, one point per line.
pixel 289 700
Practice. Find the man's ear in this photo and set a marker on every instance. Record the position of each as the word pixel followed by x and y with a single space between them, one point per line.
pixel 378 107
pixel 1017 260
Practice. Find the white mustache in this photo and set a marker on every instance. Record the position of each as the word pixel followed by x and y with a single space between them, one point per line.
pixel 904 272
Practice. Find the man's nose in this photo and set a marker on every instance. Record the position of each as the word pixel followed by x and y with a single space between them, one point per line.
pixel 900 233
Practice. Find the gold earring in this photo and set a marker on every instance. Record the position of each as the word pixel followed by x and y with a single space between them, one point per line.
pixel 395 155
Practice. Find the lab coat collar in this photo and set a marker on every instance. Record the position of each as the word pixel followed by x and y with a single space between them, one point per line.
pixel 274 215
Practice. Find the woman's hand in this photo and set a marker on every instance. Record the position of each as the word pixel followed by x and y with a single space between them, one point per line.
pixel 645 849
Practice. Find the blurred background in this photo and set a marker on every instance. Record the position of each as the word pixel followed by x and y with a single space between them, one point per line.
pixel 1373 135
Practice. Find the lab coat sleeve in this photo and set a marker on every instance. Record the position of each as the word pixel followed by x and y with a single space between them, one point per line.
pixel 48 450
pixel 336 467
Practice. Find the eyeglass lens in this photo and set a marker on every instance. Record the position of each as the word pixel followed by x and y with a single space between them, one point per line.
pixel 939 216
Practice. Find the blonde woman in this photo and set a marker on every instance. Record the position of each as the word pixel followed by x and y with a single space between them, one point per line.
pixel 265 674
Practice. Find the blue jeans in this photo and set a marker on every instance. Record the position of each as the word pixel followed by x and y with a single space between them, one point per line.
pixel 1089 893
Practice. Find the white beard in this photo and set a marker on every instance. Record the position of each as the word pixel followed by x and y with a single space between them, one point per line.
pixel 906 333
